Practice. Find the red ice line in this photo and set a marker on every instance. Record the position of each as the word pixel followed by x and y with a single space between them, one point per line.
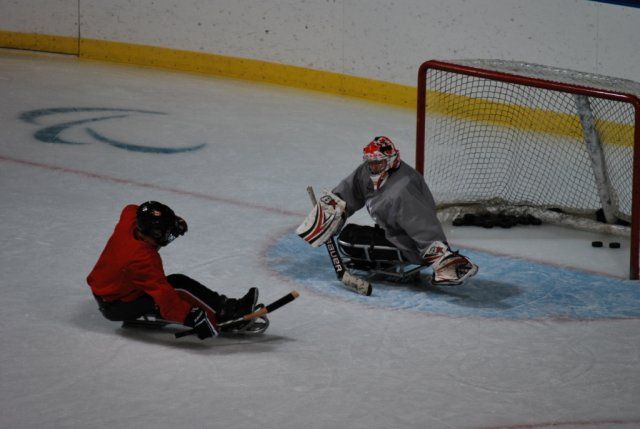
pixel 156 187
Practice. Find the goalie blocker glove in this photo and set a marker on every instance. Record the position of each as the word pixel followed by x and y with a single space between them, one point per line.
pixel 202 325
pixel 324 221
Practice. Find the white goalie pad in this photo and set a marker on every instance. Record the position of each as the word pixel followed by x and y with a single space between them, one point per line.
pixel 449 268
pixel 324 221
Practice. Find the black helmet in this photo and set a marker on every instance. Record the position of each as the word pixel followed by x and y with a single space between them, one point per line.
pixel 159 222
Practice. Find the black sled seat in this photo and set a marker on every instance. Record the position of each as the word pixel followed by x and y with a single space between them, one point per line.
pixel 248 327
pixel 150 321
pixel 144 314
pixel 365 248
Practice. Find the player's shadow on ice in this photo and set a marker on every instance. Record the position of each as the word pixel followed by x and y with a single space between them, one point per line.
pixel 478 293
pixel 475 293
pixel 261 343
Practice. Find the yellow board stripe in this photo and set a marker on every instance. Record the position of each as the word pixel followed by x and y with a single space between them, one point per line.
pixel 525 118
pixel 219 65
pixel 490 112
pixel 39 42
pixel 248 69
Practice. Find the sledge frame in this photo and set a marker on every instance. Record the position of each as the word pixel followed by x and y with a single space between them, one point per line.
pixel 397 271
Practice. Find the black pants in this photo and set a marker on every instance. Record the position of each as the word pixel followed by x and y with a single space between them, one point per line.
pixel 120 310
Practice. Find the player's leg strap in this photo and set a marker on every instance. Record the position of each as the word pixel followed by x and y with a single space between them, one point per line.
pixel 367 247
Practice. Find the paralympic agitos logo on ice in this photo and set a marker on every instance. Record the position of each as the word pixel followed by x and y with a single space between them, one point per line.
pixel 75 126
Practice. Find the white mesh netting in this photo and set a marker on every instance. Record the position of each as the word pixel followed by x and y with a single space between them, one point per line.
pixel 496 143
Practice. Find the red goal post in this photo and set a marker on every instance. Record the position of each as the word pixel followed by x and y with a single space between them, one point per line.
pixel 560 144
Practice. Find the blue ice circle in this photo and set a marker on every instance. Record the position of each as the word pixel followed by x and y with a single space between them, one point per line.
pixel 505 288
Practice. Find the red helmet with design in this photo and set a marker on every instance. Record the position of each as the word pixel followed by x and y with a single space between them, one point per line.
pixel 381 155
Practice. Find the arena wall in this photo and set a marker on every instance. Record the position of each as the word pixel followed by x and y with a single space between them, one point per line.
pixel 363 48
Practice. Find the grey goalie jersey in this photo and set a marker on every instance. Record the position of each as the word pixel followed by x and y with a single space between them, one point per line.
pixel 403 207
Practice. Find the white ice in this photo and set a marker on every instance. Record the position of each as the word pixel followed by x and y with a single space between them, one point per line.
pixel 325 362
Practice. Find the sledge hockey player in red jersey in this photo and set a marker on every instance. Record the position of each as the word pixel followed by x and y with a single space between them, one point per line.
pixel 407 229
pixel 129 282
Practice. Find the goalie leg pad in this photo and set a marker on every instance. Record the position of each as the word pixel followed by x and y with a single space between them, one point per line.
pixel 449 268
pixel 324 221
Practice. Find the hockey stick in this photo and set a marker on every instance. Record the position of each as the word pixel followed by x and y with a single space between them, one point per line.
pixel 258 313
pixel 357 284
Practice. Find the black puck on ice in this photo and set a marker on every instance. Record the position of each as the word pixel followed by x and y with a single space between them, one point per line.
pixel 614 245
pixel 458 221
pixel 596 243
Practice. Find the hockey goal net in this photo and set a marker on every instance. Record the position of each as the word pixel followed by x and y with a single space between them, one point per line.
pixel 558 144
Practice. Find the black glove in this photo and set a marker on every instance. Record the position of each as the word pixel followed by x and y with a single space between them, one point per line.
pixel 203 326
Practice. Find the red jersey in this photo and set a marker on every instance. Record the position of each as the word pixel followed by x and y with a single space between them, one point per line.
pixel 129 268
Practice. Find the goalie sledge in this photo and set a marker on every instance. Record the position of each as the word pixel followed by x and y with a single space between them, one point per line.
pixel 408 236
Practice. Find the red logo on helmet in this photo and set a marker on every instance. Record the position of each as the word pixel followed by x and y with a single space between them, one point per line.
pixel 379 148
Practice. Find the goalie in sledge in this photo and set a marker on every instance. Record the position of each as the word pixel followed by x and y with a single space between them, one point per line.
pixel 407 237
pixel 129 283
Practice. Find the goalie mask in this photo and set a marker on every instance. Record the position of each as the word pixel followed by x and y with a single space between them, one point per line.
pixel 381 156
pixel 159 222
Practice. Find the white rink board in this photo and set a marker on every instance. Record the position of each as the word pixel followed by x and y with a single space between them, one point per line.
pixel 53 17
pixel 366 38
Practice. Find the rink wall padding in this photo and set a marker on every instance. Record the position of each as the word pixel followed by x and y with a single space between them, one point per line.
pixel 39 42
pixel 217 65
pixel 248 69
pixel 378 40
pixel 536 120
pixel 525 118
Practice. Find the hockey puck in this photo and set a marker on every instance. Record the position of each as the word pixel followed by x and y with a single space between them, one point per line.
pixel 596 243
pixel 468 219
pixel 459 221
pixel 614 245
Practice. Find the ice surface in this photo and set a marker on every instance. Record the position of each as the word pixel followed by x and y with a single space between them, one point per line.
pixel 521 346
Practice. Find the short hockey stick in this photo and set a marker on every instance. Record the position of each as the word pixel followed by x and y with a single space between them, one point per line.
pixel 357 284
pixel 258 313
